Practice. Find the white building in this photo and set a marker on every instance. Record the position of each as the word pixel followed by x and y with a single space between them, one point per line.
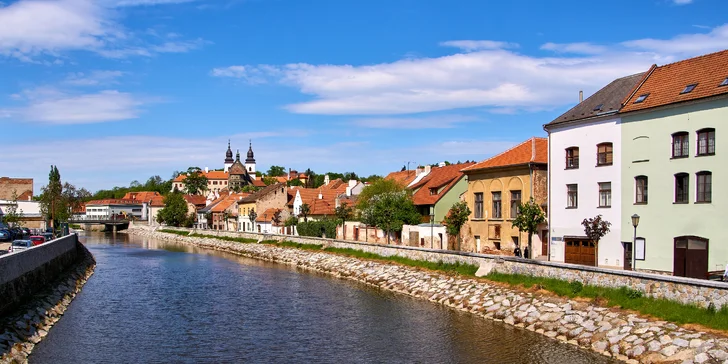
pixel 110 208
pixel 585 177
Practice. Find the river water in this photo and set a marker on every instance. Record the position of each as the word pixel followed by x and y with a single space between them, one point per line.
pixel 152 302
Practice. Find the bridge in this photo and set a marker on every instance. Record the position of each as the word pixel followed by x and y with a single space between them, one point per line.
pixel 111 223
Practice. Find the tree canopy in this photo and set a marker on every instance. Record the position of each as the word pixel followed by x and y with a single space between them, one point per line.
pixel 456 218
pixel 174 212
pixel 196 182
pixel 344 212
pixel 276 171
pixel 529 217
pixel 377 187
pixel 390 211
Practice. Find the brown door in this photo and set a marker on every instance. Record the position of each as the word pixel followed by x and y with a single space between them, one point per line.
pixel 580 252
pixel 690 257
pixel 414 238
pixel 627 255
pixel 356 234
pixel 544 242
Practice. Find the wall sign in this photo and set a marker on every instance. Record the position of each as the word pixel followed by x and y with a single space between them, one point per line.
pixel 639 252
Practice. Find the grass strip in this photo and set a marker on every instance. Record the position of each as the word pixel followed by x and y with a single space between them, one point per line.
pixel 457 268
pixel 623 297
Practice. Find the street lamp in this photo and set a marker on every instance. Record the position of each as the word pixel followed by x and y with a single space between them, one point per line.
pixel 432 227
pixel 635 222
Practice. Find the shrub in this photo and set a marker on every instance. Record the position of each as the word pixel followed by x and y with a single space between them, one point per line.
pixel 318 228
pixel 631 293
pixel 576 286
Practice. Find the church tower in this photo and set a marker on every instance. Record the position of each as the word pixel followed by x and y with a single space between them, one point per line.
pixel 228 158
pixel 250 162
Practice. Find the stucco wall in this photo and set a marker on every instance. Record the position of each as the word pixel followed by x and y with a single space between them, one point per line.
pixel 25 272
pixel 452 196
pixel 565 221
pixel 661 220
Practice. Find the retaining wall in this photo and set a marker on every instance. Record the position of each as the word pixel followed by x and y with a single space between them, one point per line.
pixel 24 273
pixel 684 290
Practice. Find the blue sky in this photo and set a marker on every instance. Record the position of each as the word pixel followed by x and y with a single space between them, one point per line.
pixel 118 90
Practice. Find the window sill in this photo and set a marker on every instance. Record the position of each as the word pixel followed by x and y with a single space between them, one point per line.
pixel 477 219
pixel 679 157
pixel 703 202
pixel 569 168
pixel 641 161
pixel 496 220
pixel 604 207
pixel 640 203
pixel 572 207
pixel 604 165
pixel 704 155
pixel 681 203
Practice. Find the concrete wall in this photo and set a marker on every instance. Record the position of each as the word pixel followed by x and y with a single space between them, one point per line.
pixel 565 221
pixel 684 290
pixel 24 273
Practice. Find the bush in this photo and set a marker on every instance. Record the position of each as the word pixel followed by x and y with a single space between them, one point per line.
pixel 318 228
pixel 631 293
pixel 576 287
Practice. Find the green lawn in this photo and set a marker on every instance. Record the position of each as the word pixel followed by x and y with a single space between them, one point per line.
pixel 623 297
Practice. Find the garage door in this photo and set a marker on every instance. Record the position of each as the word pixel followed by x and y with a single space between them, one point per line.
pixel 580 252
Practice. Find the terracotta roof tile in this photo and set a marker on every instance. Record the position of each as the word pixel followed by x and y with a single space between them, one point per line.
pixel 665 83
pixel 211 175
pixel 534 150
pixel 113 201
pixel 197 200
pixel 156 201
pixel 143 196
pixel 404 178
pixel 267 215
pixel 440 178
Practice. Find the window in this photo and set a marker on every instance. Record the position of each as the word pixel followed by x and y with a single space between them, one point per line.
pixel 605 194
pixel 572 196
pixel 706 141
pixel 479 205
pixel 704 181
pixel 682 186
pixel 598 107
pixel 724 83
pixel 680 145
pixel 604 154
pixel 433 191
pixel 515 201
pixel 641 98
pixel 497 214
pixel 572 158
pixel 640 189
pixel 688 88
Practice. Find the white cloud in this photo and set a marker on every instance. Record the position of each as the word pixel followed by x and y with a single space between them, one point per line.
pixel 498 79
pixel 93 78
pixel 423 122
pixel 578 48
pixel 147 2
pixel 52 106
pixel 31 28
pixel 682 2
pixel 478 45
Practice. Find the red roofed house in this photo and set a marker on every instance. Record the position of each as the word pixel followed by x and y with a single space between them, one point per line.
pixel 495 188
pixel 20 189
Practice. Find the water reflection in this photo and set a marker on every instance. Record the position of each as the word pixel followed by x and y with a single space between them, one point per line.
pixel 155 301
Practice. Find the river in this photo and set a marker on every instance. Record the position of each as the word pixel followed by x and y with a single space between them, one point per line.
pixel 151 301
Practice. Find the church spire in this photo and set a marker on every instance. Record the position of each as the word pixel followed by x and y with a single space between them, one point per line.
pixel 229 154
pixel 251 156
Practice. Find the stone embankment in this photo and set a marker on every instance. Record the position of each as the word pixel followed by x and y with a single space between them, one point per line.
pixel 27 325
pixel 618 334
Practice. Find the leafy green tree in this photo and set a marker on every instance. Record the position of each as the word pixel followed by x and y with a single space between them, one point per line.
pixel 174 212
pixel 343 212
pixel 294 182
pixel 596 228
pixel 269 180
pixel 135 184
pixel 377 187
pixel 249 188
pixel 196 182
pixel 390 211
pixel 276 171
pixel 456 218
pixel 322 228
pixel 13 215
pixel 291 221
pixel 51 202
pixel 304 211
pixel 73 199
pixel 529 217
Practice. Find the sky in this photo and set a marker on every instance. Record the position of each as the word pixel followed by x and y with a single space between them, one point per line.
pixel 113 91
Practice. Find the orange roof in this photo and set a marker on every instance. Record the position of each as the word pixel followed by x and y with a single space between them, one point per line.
pixel 156 201
pixel 143 196
pixel 25 196
pixel 211 175
pixel 534 150
pixel 404 178
pixel 281 179
pixel 318 206
pixel 113 201
pixel 441 179
pixel 197 200
pixel 267 215
pixel 664 84
pixel 258 182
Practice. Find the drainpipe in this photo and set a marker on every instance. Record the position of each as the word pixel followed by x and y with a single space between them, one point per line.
pixel 548 199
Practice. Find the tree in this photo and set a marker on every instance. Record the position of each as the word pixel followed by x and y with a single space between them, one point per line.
pixel 348 176
pixel 73 199
pixel 291 221
pixel 530 216
pixel 51 202
pixel 390 211
pixel 269 180
pixel 13 215
pixel 174 212
pixel 249 189
pixel 134 184
pixel 595 229
pixel 376 188
pixel 196 182
pixel 343 212
pixel 294 182
pixel 456 218
pixel 304 211
pixel 276 171
pixel 252 215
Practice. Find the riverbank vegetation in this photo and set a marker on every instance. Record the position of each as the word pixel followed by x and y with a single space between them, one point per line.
pixel 624 298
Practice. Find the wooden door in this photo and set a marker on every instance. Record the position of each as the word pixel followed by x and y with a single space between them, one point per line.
pixel 690 257
pixel 356 233
pixel 579 252
pixel 627 255
pixel 544 242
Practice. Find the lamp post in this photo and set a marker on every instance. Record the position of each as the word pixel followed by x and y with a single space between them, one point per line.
pixel 635 222
pixel 432 227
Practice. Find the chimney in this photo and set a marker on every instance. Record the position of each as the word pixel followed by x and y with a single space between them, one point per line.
pixel 326 180
pixel 581 96
pixel 533 149
pixel 428 168
pixel 353 182
pixel 418 171
pixel 207 170
pixel 320 196
pixel 441 164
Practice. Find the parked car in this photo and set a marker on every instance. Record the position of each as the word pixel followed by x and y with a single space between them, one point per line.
pixel 19 245
pixel 26 231
pixel 5 235
pixel 37 239
pixel 47 236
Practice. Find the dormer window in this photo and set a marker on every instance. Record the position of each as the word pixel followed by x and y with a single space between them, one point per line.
pixel 641 98
pixel 598 107
pixel 688 88
pixel 433 191
pixel 724 83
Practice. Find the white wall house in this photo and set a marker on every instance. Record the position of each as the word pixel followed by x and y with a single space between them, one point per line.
pixel 585 149
pixel 104 209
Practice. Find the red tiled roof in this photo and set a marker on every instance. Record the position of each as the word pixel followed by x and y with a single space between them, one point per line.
pixel 197 200
pixel 25 196
pixel 211 175
pixel 439 178
pixel 267 215
pixel 534 150
pixel 156 201
pixel 663 84
pixel 319 206
pixel 404 178
pixel 258 182
pixel 143 196
pixel 281 179
pixel 113 201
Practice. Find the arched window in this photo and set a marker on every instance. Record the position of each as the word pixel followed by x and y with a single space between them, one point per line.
pixel 704 181
pixel 682 186
pixel 680 144
pixel 604 154
pixel 706 141
pixel 572 158
pixel 640 190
